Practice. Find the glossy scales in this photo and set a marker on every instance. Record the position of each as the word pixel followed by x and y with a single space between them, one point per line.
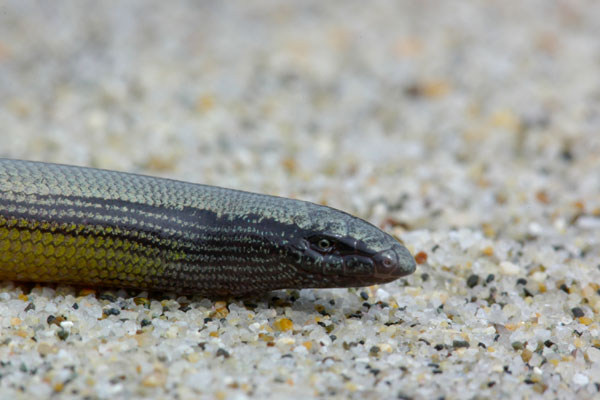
pixel 95 227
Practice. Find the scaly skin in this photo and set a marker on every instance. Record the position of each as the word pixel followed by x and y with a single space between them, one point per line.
pixel 87 226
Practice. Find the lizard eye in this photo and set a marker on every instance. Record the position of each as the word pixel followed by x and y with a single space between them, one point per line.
pixel 324 244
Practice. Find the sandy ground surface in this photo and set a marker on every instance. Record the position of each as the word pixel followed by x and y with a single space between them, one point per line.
pixel 470 130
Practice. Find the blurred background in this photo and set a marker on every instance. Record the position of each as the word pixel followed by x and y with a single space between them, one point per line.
pixel 466 125
pixel 445 110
